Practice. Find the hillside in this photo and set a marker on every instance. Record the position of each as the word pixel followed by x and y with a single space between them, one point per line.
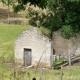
pixel 20 17
pixel 14 18
pixel 8 33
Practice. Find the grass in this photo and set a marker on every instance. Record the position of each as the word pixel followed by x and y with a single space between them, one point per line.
pixel 47 74
pixel 61 60
pixel 8 34
pixel 45 31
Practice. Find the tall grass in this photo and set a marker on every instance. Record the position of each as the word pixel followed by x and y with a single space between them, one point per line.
pixel 29 74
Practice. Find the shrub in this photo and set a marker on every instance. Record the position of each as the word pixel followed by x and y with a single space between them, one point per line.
pixel 66 31
pixel 45 31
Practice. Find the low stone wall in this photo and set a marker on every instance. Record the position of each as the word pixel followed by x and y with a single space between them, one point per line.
pixel 63 46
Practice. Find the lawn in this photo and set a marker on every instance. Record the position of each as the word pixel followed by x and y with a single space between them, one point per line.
pixel 8 34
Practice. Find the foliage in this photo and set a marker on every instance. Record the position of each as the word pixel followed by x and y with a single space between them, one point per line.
pixel 30 13
pixel 68 12
pixel 66 31
pixel 61 60
pixel 38 18
pixel 8 2
pixel 22 4
pixel 33 17
pixel 60 13
pixel 71 15
pixel 40 3
pixel 45 31
pixel 53 23
pixel 18 8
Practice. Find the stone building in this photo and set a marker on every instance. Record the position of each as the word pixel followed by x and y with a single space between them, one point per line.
pixel 31 47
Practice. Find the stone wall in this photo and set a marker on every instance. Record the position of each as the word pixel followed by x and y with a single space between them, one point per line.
pixel 33 39
pixel 63 46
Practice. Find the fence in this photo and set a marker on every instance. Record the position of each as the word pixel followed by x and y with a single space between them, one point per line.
pixel 65 73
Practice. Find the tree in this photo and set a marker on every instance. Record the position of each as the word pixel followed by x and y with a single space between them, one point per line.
pixel 40 3
pixel 66 13
pixel 22 4
pixel 61 13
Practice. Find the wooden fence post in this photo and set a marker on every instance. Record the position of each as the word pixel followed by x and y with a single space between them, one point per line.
pixel 41 71
pixel 14 73
pixel 61 73
pixel 69 56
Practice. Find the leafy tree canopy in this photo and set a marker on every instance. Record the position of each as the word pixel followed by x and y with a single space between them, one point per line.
pixel 63 15
pixel 40 3
pixel 21 4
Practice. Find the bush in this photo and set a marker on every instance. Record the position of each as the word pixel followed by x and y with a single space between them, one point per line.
pixel 66 31
pixel 45 31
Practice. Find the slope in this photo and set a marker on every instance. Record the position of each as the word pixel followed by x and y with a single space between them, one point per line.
pixel 8 33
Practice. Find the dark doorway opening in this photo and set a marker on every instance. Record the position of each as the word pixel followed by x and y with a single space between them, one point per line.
pixel 53 51
pixel 27 57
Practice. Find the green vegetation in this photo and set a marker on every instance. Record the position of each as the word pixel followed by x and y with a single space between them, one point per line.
pixel 8 34
pixel 61 60
pixel 28 74
pixel 66 12
pixel 21 4
pixel 66 31
pixel 60 13
pixel 45 31
pixel 40 3
pixel 8 2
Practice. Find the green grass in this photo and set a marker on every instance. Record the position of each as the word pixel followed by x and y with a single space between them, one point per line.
pixel 59 61
pixel 8 34
pixel 47 74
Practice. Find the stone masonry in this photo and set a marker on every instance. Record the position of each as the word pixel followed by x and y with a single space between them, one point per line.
pixel 62 46
pixel 40 45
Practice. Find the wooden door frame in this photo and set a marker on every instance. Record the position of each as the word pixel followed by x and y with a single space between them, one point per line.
pixel 24 55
